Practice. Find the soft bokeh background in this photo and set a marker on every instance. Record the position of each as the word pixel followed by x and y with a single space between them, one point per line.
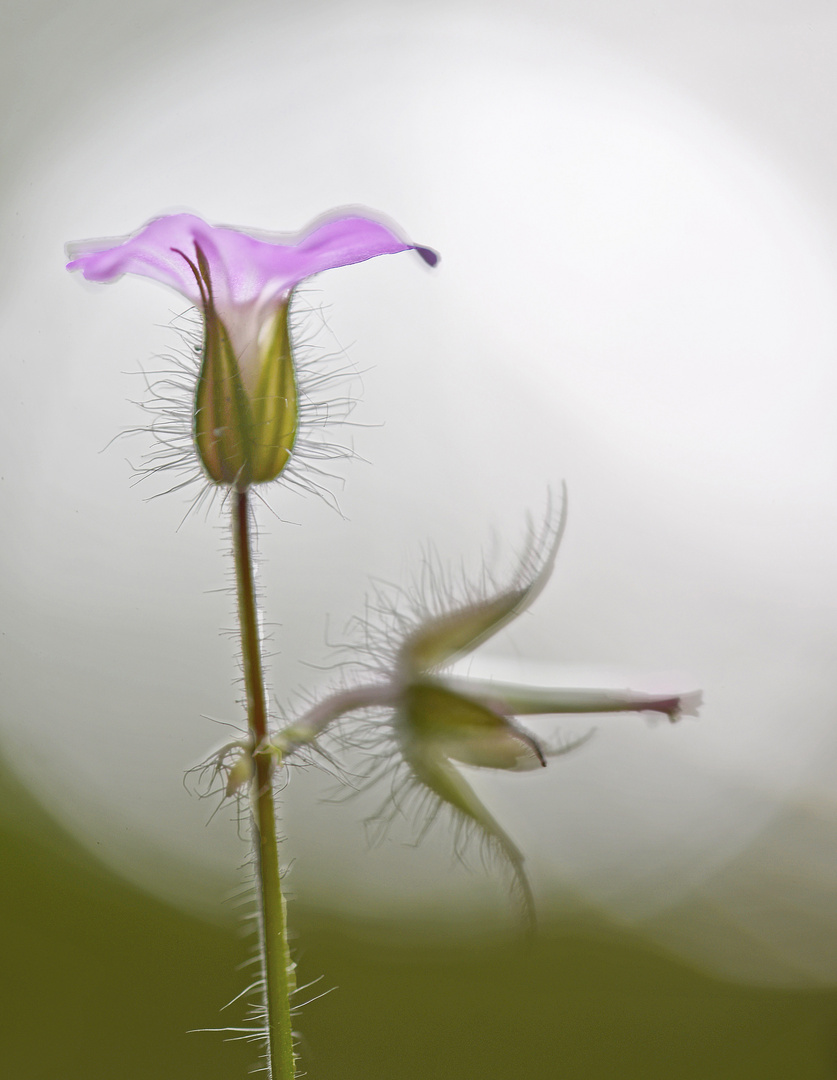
pixel 635 207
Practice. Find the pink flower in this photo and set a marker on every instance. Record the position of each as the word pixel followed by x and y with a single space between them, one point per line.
pixel 246 407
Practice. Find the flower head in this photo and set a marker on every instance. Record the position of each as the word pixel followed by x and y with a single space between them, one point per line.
pixel 436 720
pixel 246 401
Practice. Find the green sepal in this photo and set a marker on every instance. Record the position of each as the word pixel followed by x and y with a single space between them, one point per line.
pixel 441 639
pixel 275 404
pixel 223 421
pixel 223 418
pixel 457 727
pixel 432 722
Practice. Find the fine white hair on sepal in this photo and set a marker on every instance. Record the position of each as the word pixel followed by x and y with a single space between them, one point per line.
pixel 327 381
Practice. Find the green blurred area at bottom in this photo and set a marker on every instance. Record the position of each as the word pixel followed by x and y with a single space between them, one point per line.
pixel 100 982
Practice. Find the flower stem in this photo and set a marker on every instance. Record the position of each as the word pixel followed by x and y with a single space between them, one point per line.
pixel 278 972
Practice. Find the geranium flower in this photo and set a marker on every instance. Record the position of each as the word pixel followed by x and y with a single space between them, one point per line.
pixel 246 401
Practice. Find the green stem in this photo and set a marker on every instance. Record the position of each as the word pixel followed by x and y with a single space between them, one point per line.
pixel 279 982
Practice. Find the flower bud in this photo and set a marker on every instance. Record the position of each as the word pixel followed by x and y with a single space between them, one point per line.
pixel 244 436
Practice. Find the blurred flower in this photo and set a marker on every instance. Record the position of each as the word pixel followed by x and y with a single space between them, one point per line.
pixel 435 718
pixel 246 407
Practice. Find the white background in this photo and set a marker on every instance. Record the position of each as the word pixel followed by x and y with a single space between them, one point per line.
pixel 635 206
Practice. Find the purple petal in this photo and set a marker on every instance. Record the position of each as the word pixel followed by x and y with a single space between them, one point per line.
pixel 351 240
pixel 150 253
pixel 243 268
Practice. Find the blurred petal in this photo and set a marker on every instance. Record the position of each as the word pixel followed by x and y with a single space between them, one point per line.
pixel 243 268
pixel 513 699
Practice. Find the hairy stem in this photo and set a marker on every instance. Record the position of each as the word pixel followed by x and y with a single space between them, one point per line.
pixel 279 982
